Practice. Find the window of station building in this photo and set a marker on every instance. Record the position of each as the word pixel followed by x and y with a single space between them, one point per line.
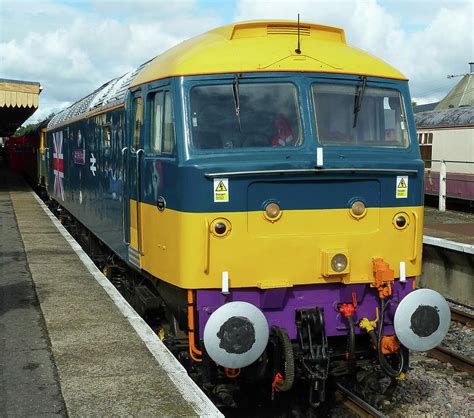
pixel 162 128
pixel 137 121
pixel 106 136
pixel 425 140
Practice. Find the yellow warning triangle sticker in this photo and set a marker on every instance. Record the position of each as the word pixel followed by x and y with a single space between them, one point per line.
pixel 221 187
pixel 402 184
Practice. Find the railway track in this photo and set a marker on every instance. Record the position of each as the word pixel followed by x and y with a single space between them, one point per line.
pixel 463 317
pixel 445 355
pixel 354 404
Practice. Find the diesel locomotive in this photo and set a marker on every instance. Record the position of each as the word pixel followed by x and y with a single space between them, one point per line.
pixel 265 178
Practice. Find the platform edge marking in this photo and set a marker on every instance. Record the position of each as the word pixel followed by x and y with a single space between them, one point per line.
pixel 450 245
pixel 188 389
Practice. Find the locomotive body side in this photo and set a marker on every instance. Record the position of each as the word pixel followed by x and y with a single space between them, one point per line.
pixel 83 161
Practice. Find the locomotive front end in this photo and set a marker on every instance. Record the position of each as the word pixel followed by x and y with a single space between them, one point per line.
pixel 293 214
pixel 316 240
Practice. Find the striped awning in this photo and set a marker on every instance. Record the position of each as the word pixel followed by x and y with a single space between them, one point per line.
pixel 14 93
pixel 18 101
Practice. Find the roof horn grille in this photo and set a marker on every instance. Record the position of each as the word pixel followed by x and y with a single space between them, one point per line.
pixel 288 30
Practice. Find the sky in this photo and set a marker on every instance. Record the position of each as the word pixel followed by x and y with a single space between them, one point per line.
pixel 73 47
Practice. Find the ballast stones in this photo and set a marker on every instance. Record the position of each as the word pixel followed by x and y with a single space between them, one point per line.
pixel 422 320
pixel 236 334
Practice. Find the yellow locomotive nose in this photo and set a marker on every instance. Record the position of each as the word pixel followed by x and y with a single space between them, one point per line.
pixel 422 320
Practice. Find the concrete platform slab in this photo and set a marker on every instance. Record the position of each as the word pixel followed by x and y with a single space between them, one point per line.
pixel 108 361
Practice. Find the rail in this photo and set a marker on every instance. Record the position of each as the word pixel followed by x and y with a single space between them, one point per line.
pixel 356 405
pixel 463 317
pixel 459 361
pixel 443 179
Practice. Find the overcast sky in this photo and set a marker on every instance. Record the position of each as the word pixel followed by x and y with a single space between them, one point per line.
pixel 72 47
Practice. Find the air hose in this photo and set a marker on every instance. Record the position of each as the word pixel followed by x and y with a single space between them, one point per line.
pixel 348 309
pixel 351 353
pixel 287 383
pixel 384 364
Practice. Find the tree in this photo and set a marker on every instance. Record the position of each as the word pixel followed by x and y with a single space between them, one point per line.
pixel 22 130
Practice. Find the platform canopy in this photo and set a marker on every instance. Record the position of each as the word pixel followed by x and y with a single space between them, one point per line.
pixel 18 101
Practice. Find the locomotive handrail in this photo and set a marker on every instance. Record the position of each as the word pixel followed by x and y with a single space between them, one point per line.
pixel 124 238
pixel 206 247
pixel 415 244
pixel 310 171
pixel 139 235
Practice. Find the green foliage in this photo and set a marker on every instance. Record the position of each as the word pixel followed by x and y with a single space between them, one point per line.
pixel 22 130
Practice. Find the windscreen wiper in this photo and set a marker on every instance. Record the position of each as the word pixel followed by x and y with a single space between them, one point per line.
pixel 235 90
pixel 358 98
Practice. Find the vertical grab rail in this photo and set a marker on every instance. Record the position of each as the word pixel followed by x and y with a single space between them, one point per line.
pixel 206 247
pixel 124 238
pixel 415 244
pixel 138 178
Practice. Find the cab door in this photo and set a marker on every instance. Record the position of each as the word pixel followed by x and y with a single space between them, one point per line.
pixel 132 156
pixel 158 163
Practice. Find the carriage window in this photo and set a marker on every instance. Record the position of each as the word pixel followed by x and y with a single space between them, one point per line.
pixel 354 116
pixel 137 121
pixel 106 135
pixel 243 115
pixel 162 132
pixel 425 140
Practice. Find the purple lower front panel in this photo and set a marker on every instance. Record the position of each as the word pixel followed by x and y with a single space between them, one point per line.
pixel 279 305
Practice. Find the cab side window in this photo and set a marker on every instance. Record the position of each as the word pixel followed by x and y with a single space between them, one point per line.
pixel 137 121
pixel 162 124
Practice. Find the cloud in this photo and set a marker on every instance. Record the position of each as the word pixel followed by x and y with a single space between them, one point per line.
pixel 436 41
pixel 72 49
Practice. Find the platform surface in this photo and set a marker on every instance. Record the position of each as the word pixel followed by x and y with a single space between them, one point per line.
pixel 450 225
pixel 29 383
pixel 69 345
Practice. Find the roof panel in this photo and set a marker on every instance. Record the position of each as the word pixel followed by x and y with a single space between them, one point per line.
pixel 447 118
pixel 251 47
pixel 110 94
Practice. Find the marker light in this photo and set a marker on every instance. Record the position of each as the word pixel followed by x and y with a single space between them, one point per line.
pixel 220 227
pixel 339 263
pixel 272 211
pixel 358 209
pixel 401 220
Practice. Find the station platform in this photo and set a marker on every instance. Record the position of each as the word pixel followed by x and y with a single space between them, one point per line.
pixel 70 345
pixel 451 229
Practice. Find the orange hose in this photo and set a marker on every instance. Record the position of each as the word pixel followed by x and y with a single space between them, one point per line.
pixel 231 373
pixel 193 350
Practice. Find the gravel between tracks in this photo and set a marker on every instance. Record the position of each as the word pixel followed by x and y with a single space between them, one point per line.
pixel 432 388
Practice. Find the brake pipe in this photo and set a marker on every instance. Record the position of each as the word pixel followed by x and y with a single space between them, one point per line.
pixel 348 309
pixel 194 352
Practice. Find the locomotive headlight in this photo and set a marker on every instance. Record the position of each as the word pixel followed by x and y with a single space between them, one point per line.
pixel 401 220
pixel 272 211
pixel 335 262
pixel 339 263
pixel 358 209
